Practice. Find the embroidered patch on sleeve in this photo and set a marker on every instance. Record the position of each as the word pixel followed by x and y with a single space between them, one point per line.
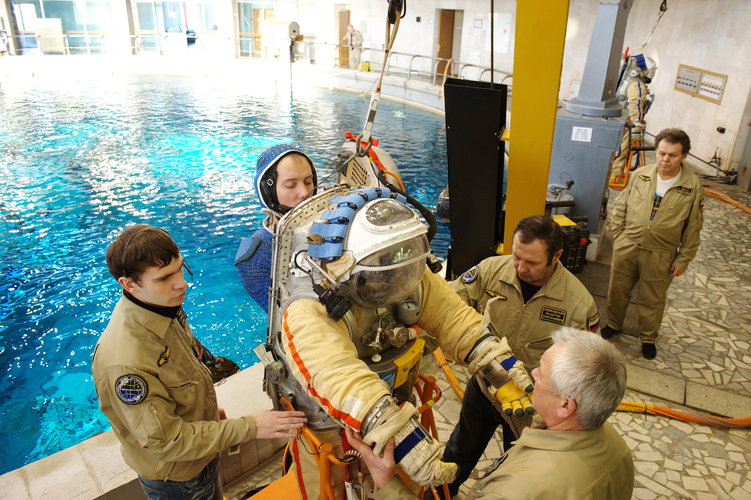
pixel 493 294
pixel 470 275
pixel 553 315
pixel 131 389
pixel 164 357
pixel 593 323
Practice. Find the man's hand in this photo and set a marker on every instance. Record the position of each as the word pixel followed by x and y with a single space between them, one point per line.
pixel 278 424
pixel 676 272
pixel 416 452
pixel 381 468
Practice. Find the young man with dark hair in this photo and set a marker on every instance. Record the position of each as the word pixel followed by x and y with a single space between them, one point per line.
pixel 525 296
pixel 152 385
pixel 656 221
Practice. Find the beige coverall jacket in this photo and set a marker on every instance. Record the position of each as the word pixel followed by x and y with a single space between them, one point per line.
pixel 644 251
pixel 561 465
pixel 493 288
pixel 158 397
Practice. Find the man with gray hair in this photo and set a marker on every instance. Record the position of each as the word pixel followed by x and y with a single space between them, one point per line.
pixel 579 383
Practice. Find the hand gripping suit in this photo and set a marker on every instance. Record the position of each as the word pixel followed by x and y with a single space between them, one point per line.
pixel 650 238
pixel 346 348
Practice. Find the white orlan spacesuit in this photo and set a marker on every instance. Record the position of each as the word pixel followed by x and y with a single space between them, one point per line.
pixel 351 295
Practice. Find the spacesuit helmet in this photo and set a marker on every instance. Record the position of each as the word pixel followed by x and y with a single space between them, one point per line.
pixel 642 67
pixel 265 176
pixel 388 245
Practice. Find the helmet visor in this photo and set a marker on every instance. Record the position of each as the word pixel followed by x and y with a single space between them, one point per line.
pixel 374 289
pixel 391 274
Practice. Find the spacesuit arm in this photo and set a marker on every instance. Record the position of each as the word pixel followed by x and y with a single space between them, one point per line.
pixel 691 237
pixel 456 325
pixel 325 362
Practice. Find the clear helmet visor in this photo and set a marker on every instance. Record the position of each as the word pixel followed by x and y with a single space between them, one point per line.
pixel 389 275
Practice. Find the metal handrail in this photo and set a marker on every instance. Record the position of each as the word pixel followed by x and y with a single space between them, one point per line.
pixel 410 70
pixel 436 62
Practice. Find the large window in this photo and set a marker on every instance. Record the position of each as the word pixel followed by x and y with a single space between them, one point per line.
pixel 62 26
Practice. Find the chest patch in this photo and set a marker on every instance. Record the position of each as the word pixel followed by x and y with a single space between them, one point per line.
pixel 131 389
pixel 493 294
pixel 684 190
pixel 492 467
pixel 164 357
pixel 645 178
pixel 470 275
pixel 593 323
pixel 553 315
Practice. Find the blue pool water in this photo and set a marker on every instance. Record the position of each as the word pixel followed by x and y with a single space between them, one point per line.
pixel 81 160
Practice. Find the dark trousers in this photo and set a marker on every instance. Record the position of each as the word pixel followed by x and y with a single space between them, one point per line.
pixel 205 486
pixel 478 421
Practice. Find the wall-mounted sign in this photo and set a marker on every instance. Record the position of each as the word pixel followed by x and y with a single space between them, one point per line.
pixel 700 83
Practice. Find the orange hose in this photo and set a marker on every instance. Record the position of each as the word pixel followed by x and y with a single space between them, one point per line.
pixel 438 354
pixel 727 199
pixel 686 416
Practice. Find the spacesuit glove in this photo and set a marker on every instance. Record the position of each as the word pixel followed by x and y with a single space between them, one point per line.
pixel 419 456
pixel 513 400
pixel 416 452
pixel 492 359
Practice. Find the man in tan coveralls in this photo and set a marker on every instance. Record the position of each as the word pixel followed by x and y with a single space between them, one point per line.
pixel 526 296
pixel 579 383
pixel 656 222
pixel 152 386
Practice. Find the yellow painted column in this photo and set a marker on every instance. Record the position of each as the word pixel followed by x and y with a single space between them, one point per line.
pixel 538 58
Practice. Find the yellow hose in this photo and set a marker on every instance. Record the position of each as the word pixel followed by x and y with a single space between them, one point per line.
pixel 438 354
pixel 727 199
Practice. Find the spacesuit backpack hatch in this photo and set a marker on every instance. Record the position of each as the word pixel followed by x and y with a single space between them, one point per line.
pixel 350 295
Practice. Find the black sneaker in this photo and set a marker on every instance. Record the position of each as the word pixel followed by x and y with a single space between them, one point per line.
pixel 649 351
pixel 608 332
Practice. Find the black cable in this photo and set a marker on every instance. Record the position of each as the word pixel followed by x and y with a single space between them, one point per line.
pixel 427 214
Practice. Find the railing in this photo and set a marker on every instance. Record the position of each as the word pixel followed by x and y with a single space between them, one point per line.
pixel 436 67
pixel 409 66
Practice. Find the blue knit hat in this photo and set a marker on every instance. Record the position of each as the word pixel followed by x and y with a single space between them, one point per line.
pixel 265 178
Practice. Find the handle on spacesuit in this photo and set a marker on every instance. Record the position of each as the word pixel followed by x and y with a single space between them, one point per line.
pixel 416 452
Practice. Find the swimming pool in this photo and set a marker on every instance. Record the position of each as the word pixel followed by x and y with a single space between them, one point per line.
pixel 80 160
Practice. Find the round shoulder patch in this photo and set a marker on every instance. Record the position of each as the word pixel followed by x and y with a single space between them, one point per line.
pixel 131 389
pixel 470 275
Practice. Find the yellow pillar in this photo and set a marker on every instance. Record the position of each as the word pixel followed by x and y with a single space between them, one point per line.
pixel 538 58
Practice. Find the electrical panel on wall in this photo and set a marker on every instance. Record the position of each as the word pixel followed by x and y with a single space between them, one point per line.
pixel 701 83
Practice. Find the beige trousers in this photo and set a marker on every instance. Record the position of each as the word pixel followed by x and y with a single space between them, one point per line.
pixel 651 270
